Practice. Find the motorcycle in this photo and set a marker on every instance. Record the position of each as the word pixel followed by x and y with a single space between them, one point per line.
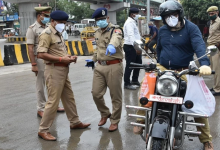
pixel 165 123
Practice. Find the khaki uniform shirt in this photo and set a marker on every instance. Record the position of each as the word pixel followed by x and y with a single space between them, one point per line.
pixel 103 40
pixel 214 32
pixel 32 35
pixel 51 42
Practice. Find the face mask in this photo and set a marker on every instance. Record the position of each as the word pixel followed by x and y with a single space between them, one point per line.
pixel 213 17
pixel 172 21
pixel 102 23
pixel 150 27
pixel 60 27
pixel 136 17
pixel 46 20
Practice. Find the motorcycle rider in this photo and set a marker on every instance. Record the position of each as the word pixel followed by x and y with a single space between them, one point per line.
pixel 154 34
pixel 177 41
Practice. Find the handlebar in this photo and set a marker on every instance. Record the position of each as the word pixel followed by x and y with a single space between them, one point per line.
pixel 149 67
pixel 135 64
pixel 152 67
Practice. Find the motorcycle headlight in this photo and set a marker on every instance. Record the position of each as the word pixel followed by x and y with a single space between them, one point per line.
pixel 167 85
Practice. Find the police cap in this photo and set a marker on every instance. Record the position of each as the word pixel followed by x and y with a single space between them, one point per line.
pixel 134 10
pixel 59 15
pixel 212 8
pixel 44 10
pixel 100 12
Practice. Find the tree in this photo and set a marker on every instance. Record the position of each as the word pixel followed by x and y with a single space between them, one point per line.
pixel 196 9
pixel 121 17
pixel 11 8
pixel 79 10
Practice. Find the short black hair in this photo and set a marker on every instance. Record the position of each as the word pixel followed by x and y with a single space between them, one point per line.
pixel 37 13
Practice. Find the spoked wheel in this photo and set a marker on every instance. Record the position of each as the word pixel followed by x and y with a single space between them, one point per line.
pixel 159 144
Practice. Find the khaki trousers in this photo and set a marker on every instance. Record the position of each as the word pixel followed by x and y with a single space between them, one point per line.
pixel 205 131
pixel 40 85
pixel 108 76
pixel 58 86
pixel 215 65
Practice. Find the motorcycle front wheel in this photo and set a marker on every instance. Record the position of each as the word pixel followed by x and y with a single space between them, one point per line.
pixel 159 144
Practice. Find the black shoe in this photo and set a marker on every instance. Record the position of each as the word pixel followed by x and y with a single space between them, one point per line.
pixel 211 89
pixel 130 87
pixel 215 93
pixel 136 83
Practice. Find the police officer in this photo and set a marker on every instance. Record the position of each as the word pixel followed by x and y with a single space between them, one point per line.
pixel 214 39
pixel 131 33
pixel 43 17
pixel 53 51
pixel 109 69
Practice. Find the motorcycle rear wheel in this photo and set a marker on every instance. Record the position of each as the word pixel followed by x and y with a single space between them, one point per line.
pixel 159 144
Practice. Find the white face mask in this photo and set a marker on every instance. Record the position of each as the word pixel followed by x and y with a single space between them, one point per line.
pixel 60 27
pixel 136 17
pixel 172 21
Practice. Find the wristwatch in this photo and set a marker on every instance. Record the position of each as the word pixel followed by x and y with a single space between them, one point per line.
pixel 34 64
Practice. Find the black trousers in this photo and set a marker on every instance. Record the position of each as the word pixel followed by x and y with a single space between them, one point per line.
pixel 151 44
pixel 131 56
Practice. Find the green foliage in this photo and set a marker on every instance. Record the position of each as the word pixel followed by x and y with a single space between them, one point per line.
pixel 121 17
pixel 79 10
pixel 196 9
pixel 13 8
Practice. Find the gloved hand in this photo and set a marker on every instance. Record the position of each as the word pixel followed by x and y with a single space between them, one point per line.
pixel 90 63
pixel 110 49
pixel 205 70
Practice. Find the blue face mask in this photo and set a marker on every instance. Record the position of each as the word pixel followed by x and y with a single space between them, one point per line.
pixel 46 20
pixel 150 27
pixel 102 23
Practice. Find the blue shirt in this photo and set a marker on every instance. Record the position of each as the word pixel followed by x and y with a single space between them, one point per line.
pixel 175 49
pixel 154 29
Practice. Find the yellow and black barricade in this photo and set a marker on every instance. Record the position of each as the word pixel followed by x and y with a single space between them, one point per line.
pixel 16 54
pixel 1 60
pixel 16 39
pixel 80 48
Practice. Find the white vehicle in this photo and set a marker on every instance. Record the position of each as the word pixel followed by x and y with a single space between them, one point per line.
pixel 88 21
pixel 79 26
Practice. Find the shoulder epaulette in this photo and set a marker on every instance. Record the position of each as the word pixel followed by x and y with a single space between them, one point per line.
pixel 31 26
pixel 48 31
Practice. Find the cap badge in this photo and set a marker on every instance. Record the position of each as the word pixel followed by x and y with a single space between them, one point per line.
pixel 103 12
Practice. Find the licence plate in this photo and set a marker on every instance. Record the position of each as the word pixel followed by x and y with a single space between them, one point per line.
pixel 164 99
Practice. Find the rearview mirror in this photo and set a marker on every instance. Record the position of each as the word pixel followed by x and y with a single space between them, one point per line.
pixel 137 45
pixel 212 50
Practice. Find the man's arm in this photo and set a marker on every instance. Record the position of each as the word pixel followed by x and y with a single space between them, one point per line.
pixel 198 45
pixel 155 34
pixel 159 47
pixel 44 44
pixel 30 42
pixel 31 53
pixel 66 59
